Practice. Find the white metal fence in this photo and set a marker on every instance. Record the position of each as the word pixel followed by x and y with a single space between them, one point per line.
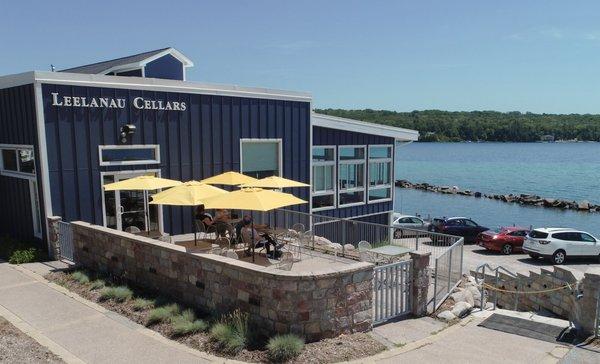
pixel 447 273
pixel 392 291
pixel 65 241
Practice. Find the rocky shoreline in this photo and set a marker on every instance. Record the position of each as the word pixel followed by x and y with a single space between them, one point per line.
pixel 522 199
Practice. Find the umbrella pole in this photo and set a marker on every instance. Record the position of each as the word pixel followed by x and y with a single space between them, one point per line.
pixel 195 227
pixel 146 218
pixel 252 240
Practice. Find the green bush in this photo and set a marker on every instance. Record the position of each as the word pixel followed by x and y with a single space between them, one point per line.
pixel 162 314
pixel 186 324
pixel 117 294
pixel 23 256
pixel 80 277
pixel 284 347
pixel 97 284
pixel 231 334
pixel 140 304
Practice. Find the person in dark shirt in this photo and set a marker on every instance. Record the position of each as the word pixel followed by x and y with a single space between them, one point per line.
pixel 204 217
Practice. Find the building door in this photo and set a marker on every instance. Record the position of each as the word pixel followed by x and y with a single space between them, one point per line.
pixel 124 210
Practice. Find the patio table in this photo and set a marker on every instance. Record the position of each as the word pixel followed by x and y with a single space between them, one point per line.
pixel 390 252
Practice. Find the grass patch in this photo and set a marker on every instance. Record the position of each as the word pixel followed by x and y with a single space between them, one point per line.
pixel 117 294
pixel 140 304
pixel 186 324
pixel 284 347
pixel 231 334
pixel 97 284
pixel 80 277
pixel 163 314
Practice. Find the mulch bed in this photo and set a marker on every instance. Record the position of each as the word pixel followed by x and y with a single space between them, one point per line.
pixel 17 347
pixel 342 348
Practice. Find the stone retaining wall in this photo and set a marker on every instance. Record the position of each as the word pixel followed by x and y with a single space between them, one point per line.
pixel 577 302
pixel 318 304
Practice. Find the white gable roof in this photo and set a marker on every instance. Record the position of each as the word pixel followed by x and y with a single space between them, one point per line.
pixel 334 122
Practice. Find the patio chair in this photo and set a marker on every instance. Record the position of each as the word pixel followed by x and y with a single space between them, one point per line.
pixel 363 252
pixel 299 228
pixel 231 254
pixel 216 251
pixel 202 230
pixel 133 229
pixel 306 240
pixel 286 262
pixel 224 229
pixel 165 238
pixel 223 242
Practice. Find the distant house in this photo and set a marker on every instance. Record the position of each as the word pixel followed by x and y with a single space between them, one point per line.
pixel 547 138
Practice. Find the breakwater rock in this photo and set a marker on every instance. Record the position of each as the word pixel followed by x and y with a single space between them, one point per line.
pixel 523 199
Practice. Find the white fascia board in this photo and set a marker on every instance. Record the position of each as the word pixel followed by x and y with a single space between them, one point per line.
pixel 18 79
pixel 157 84
pixel 357 126
pixel 172 51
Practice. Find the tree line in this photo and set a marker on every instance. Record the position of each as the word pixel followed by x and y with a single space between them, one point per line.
pixel 454 126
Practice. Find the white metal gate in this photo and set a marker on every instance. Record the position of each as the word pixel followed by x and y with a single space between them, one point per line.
pixel 65 241
pixel 392 290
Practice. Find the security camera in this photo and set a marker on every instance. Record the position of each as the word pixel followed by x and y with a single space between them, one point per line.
pixel 128 129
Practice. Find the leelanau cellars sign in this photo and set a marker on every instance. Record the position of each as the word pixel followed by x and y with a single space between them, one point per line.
pixel 114 103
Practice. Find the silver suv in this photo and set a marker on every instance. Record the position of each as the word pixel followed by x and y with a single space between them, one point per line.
pixel 557 244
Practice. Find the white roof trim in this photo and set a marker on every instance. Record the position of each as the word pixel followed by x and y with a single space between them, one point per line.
pixel 172 51
pixel 357 126
pixel 151 84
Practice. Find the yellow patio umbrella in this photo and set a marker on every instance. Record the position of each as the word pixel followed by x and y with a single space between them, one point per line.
pixel 142 183
pixel 275 182
pixel 253 199
pixel 191 193
pixel 229 178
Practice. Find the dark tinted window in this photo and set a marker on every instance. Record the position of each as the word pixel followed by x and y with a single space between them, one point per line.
pixel 470 223
pixel 587 238
pixel 9 158
pixel 416 221
pixel 538 234
pixel 567 236
pixel 128 154
pixel 518 233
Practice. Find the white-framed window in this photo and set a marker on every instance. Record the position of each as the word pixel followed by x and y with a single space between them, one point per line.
pixel 260 158
pixel 380 173
pixel 17 160
pixel 323 183
pixel 351 175
pixel 128 155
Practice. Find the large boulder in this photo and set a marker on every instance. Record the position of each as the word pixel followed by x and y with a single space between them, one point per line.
pixel 463 295
pixel 446 316
pixel 461 309
pixel 583 205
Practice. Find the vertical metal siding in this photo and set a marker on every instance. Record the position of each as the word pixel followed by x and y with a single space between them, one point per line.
pixel 198 143
pixel 327 136
pixel 18 126
pixel 167 67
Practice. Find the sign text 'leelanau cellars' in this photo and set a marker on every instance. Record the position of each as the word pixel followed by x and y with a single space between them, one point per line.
pixel 114 103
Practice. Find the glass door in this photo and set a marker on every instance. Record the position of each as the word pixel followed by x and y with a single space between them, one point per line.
pixel 125 210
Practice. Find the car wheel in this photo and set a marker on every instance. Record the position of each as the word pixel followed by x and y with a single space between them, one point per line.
pixel 507 249
pixel 533 256
pixel 559 257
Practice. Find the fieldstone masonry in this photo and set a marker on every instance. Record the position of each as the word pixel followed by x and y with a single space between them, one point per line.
pixel 577 301
pixel 420 284
pixel 316 305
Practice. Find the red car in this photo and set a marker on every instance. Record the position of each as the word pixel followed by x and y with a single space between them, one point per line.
pixel 505 240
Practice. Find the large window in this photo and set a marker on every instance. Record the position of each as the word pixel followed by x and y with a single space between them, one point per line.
pixel 380 173
pixel 17 160
pixel 119 155
pixel 323 183
pixel 261 157
pixel 351 175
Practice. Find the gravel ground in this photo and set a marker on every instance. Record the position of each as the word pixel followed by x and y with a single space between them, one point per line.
pixel 342 348
pixel 16 347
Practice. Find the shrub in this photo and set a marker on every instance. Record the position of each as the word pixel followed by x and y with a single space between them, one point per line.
pixel 186 324
pixel 97 284
pixel 23 256
pixel 140 304
pixel 80 277
pixel 231 334
pixel 117 294
pixel 284 347
pixel 162 314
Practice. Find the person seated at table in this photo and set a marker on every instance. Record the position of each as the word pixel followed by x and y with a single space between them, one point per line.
pixel 260 240
pixel 222 215
pixel 203 217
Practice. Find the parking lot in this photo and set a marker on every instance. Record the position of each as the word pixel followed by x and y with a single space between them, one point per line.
pixel 474 255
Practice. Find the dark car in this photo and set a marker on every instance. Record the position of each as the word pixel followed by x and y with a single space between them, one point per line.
pixel 459 226
pixel 506 240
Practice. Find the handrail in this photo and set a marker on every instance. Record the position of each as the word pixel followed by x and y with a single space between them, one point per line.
pixel 497 271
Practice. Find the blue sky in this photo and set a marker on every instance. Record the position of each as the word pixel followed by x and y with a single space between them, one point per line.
pixel 539 56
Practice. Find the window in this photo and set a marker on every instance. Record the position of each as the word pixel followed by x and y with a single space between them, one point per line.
pixel 17 161
pixel 351 175
pixel 380 173
pixel 323 183
pixel 470 223
pixel 120 155
pixel 261 157
pixel 587 238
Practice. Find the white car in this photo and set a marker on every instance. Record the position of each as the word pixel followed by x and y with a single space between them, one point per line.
pixel 557 244
pixel 407 222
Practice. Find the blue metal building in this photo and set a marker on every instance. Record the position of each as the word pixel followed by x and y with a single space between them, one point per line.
pixel 63 135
